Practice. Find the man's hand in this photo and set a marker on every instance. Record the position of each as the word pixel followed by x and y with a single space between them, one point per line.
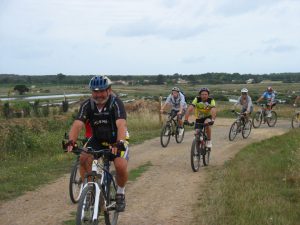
pixel 70 145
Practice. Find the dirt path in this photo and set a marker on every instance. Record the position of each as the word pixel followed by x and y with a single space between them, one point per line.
pixel 163 195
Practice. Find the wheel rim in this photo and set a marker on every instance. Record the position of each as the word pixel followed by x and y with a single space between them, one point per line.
pixel 165 135
pixel 195 156
pixel 179 138
pixel 247 129
pixel 233 131
pixel 271 121
pixel 257 119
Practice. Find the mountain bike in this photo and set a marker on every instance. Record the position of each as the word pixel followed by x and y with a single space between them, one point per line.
pixel 240 125
pixel 171 128
pixel 296 119
pixel 75 181
pixel 97 203
pixel 199 151
pixel 269 116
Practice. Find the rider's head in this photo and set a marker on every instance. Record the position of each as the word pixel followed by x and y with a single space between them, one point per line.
pixel 204 93
pixel 269 89
pixel 244 91
pixel 101 88
pixel 175 91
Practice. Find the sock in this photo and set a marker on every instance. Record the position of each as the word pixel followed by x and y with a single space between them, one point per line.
pixel 121 190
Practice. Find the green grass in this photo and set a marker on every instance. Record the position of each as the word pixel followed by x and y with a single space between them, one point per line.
pixel 261 185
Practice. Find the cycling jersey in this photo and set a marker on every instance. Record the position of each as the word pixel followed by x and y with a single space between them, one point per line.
pixel 103 121
pixel 176 102
pixel 270 97
pixel 202 109
pixel 246 104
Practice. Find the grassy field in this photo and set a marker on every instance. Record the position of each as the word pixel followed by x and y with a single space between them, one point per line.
pixel 261 185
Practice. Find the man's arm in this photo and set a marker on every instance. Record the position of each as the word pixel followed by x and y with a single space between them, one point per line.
pixel 74 132
pixel 122 128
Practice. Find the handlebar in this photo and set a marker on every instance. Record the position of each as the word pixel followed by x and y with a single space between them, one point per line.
pixel 95 152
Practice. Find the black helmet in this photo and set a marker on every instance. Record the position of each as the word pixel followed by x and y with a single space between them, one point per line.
pixel 204 89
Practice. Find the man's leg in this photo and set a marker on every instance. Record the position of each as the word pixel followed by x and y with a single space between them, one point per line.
pixel 121 178
pixel 86 162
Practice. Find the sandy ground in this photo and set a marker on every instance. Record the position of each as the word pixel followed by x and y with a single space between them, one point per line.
pixel 164 194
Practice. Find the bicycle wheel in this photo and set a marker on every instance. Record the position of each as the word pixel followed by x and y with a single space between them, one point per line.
pixel 179 137
pixel 85 209
pixel 247 129
pixel 165 135
pixel 75 184
pixel 205 152
pixel 195 156
pixel 257 119
pixel 296 121
pixel 271 121
pixel 111 215
pixel 233 131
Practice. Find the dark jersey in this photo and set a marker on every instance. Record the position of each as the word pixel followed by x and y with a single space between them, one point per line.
pixel 103 121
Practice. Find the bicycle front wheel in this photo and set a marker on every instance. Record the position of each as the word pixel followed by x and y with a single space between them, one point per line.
pixel 165 135
pixel 257 119
pixel 85 210
pixel 271 121
pixel 247 129
pixel 111 215
pixel 195 156
pixel 205 152
pixel 296 121
pixel 75 184
pixel 233 131
pixel 179 134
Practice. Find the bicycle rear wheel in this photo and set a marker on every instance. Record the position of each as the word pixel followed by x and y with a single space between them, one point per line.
pixel 257 119
pixel 195 156
pixel 165 135
pixel 75 184
pixel 271 121
pixel 247 129
pixel 179 137
pixel 85 209
pixel 111 215
pixel 296 121
pixel 233 131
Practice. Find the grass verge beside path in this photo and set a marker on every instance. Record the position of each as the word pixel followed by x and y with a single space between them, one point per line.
pixel 261 185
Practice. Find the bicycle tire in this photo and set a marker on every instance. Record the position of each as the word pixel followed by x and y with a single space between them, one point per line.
pixel 86 207
pixel 165 135
pixel 271 121
pixel 257 119
pixel 111 216
pixel 195 156
pixel 247 129
pixel 179 138
pixel 204 154
pixel 75 183
pixel 233 131
pixel 296 121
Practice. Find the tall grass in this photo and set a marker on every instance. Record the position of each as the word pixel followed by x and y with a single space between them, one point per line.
pixel 261 185
pixel 31 153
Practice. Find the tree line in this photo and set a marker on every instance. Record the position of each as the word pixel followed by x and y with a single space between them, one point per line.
pixel 206 78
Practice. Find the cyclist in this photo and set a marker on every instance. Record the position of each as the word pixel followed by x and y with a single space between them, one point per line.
pixel 268 95
pixel 179 106
pixel 204 108
pixel 296 100
pixel 107 117
pixel 245 101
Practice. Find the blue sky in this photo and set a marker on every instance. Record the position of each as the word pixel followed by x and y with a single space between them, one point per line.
pixel 149 36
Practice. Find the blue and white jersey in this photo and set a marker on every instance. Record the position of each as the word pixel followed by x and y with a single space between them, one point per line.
pixel 270 97
pixel 176 102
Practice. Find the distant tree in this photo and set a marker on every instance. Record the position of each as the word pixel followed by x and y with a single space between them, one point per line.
pixel 60 77
pixel 160 79
pixel 21 88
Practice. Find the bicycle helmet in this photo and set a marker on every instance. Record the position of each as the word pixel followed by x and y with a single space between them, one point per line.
pixel 269 89
pixel 244 90
pixel 204 89
pixel 99 83
pixel 175 89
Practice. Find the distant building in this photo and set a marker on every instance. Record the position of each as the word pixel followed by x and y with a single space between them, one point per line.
pixel 181 81
pixel 250 81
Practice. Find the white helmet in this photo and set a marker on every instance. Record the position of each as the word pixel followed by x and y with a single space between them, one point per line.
pixel 244 90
